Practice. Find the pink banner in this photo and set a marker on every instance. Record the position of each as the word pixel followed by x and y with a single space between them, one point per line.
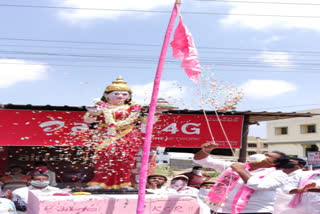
pixel 111 204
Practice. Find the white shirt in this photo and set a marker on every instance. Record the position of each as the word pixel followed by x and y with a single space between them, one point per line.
pixel 310 202
pixel 282 195
pixel 24 191
pixel 7 206
pixel 163 190
pixel 263 181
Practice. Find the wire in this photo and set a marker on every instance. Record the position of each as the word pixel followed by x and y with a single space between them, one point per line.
pixel 302 72
pixel 73 41
pixel 78 48
pixel 151 45
pixel 157 11
pixel 261 2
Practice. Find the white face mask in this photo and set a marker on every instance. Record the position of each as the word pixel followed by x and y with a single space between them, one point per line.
pixel 178 184
pixel 40 184
pixel 203 193
pixel 197 172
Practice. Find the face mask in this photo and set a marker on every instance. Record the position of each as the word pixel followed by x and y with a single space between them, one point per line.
pixel 197 172
pixel 178 184
pixel 40 184
pixel 203 193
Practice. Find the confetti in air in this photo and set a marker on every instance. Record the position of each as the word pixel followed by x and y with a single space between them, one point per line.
pixel 217 95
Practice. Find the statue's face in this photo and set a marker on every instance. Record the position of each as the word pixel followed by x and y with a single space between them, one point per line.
pixel 117 97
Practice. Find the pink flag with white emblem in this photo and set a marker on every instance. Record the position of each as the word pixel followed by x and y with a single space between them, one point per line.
pixel 183 48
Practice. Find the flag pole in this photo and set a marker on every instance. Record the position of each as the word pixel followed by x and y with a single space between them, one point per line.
pixel 152 108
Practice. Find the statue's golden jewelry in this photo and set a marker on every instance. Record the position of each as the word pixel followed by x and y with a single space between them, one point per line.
pixel 118 85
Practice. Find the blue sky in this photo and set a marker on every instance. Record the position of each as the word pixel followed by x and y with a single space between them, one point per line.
pixel 68 56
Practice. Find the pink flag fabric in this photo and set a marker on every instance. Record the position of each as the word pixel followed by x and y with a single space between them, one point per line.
pixel 183 48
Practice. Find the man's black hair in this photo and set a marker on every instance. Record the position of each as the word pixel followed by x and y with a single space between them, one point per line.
pixel 207 182
pixel 162 176
pixel 282 160
pixel 197 167
pixel 280 153
pixel 40 163
pixel 300 161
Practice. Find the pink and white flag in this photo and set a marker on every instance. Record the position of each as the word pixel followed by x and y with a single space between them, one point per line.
pixel 183 48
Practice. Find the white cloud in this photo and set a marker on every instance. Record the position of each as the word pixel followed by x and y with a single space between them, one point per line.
pixel 13 71
pixel 259 89
pixel 272 39
pixel 276 59
pixel 267 22
pixel 79 15
pixel 169 90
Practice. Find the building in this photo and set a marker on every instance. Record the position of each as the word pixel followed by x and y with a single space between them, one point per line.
pixel 295 136
pixel 256 145
pixel 162 155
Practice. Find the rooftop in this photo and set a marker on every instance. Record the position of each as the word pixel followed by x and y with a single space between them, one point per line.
pixel 253 117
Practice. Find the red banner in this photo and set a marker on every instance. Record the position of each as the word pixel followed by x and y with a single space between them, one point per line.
pixel 54 128
pixel 182 130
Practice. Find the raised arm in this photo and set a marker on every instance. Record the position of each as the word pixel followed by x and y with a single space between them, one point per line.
pixel 206 149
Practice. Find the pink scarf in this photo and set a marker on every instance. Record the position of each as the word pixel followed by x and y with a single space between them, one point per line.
pixel 224 185
pixel 241 199
pixel 296 199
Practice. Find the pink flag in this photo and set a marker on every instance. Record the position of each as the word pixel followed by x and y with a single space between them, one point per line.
pixel 183 48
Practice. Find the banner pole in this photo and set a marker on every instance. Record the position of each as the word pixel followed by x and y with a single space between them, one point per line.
pixel 152 108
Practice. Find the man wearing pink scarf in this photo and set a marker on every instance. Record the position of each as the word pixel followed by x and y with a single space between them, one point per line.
pixel 306 193
pixel 243 188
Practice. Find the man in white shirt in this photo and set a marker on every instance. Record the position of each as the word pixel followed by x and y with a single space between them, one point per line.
pixel 294 170
pixel 7 206
pixel 38 184
pixel 307 185
pixel 180 184
pixel 41 167
pixel 155 184
pixel 263 182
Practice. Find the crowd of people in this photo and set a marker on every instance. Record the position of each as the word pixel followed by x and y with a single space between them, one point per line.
pixel 267 183
pixel 15 186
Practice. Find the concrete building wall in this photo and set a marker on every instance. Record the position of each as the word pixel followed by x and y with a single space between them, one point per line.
pixel 295 128
pixel 295 136
pixel 289 149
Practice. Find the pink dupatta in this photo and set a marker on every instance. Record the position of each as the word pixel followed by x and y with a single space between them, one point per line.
pixel 225 184
pixel 296 199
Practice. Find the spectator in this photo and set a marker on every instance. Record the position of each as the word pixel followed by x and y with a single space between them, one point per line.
pixel 41 167
pixel 15 179
pixel 18 202
pixel 7 206
pixel 305 189
pixel 204 190
pixel 196 177
pixel 180 184
pixel 155 183
pixel 207 185
pixel 293 169
pixel 255 188
pixel 39 184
